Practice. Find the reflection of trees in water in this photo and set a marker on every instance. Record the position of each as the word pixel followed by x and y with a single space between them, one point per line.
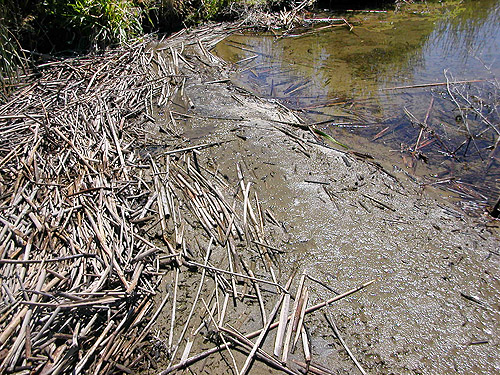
pixel 382 53
pixel 377 53
pixel 467 30
pixel 317 71
pixel 470 28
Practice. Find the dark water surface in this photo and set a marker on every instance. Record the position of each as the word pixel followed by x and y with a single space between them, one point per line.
pixel 344 79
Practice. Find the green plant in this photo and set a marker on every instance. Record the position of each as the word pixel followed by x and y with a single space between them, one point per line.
pixel 205 10
pixel 214 7
pixel 105 21
pixel 12 59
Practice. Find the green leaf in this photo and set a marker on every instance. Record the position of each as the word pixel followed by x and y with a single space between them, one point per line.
pixel 329 137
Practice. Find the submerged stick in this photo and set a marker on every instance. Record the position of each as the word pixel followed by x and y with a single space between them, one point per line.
pixel 429 85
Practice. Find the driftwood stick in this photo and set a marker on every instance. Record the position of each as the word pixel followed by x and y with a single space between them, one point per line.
pixel 293 322
pixel 236 371
pixel 80 366
pixel 14 352
pixel 174 306
pixel 231 266
pixel 198 147
pixel 306 347
pixel 278 344
pixel 146 330
pixel 78 153
pixel 304 299
pixel 264 331
pixel 259 298
pixel 50 260
pixel 239 339
pixel 313 368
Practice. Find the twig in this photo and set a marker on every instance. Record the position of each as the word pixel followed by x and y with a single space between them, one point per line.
pixel 193 306
pixel 429 85
pixel 235 274
pixel 337 333
pixel 264 331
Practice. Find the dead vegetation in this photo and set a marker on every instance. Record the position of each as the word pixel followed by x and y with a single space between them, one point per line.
pixel 95 215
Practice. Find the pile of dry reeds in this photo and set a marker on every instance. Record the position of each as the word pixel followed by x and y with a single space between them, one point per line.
pixel 76 279
pixel 92 224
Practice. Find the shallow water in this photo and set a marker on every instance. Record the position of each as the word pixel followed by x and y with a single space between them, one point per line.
pixel 344 78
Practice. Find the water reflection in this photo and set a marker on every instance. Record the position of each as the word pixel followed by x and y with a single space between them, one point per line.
pixel 343 77
pixel 468 32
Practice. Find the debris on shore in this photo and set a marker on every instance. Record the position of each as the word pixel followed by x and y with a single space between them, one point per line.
pixel 96 214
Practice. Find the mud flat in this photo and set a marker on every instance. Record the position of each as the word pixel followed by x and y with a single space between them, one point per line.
pixel 149 225
pixel 347 220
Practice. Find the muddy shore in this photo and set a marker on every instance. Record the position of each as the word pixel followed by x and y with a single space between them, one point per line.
pixel 153 210
pixel 434 307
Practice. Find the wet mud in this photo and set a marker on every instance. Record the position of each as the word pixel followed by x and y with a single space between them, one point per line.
pixel 344 220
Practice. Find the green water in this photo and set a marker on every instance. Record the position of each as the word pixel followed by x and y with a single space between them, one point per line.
pixel 344 77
